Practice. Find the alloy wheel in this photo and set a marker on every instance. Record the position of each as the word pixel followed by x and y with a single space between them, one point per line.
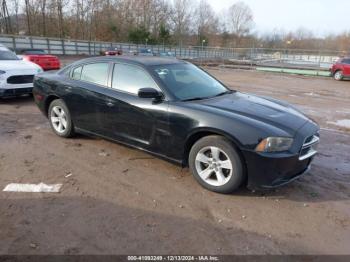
pixel 213 166
pixel 59 119
pixel 338 75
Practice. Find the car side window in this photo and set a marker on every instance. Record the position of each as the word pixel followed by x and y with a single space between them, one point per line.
pixel 130 79
pixel 346 61
pixel 76 73
pixel 96 73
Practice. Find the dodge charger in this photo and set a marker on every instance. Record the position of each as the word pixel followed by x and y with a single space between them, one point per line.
pixel 175 110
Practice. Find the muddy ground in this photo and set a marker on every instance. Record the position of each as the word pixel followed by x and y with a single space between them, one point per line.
pixel 119 200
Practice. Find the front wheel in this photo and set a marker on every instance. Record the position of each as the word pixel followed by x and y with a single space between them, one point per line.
pixel 216 165
pixel 338 75
pixel 60 119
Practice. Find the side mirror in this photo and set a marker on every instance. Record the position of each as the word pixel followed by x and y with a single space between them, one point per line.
pixel 149 92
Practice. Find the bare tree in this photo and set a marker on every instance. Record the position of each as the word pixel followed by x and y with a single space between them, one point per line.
pixel 42 4
pixel 181 18
pixel 59 6
pixel 16 10
pixel 5 17
pixel 27 5
pixel 206 20
pixel 240 19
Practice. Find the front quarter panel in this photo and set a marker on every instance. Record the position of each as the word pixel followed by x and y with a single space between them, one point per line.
pixel 186 120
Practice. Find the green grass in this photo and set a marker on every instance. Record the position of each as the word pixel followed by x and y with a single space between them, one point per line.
pixel 294 71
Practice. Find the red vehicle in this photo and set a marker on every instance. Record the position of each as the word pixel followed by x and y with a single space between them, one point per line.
pixel 39 57
pixel 341 69
pixel 113 51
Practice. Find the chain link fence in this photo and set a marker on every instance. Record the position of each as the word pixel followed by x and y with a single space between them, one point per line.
pixel 274 59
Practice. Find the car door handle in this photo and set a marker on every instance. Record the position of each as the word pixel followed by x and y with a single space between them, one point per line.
pixel 110 104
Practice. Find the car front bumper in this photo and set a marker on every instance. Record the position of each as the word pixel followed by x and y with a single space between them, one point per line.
pixel 270 170
pixel 7 90
pixel 266 172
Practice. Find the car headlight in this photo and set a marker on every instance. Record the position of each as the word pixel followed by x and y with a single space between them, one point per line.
pixel 1 74
pixel 274 144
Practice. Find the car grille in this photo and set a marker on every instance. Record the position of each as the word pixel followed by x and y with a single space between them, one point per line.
pixel 23 79
pixel 309 148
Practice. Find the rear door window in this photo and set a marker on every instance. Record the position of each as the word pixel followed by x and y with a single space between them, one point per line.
pixel 96 73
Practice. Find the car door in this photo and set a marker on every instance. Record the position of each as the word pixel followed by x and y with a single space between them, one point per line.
pixel 83 97
pixel 346 63
pixel 128 118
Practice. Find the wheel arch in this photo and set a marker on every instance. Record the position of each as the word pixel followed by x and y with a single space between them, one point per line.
pixel 197 134
pixel 48 101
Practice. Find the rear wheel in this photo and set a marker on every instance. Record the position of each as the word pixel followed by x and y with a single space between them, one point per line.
pixel 60 119
pixel 216 165
pixel 338 75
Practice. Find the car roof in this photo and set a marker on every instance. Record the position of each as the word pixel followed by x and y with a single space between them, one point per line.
pixel 139 60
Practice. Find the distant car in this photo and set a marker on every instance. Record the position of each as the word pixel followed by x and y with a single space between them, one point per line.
pixel 16 75
pixel 341 69
pixel 41 58
pixel 113 51
pixel 176 110
pixel 145 52
pixel 166 54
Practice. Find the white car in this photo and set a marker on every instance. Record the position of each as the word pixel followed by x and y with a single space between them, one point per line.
pixel 16 75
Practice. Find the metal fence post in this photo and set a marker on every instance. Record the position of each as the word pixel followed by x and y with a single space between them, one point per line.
pixel 63 47
pixel 31 42
pixel 14 43
pixel 48 45
pixel 76 48
pixel 89 47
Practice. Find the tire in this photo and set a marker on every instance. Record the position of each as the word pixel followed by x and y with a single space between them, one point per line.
pixel 60 119
pixel 216 165
pixel 338 75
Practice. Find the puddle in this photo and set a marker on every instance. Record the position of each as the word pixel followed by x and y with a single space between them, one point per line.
pixel 311 94
pixel 342 123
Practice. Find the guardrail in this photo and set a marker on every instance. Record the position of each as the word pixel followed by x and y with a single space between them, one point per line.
pixel 58 46
pixel 286 58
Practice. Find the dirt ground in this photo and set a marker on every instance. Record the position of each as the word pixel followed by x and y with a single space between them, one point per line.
pixel 122 201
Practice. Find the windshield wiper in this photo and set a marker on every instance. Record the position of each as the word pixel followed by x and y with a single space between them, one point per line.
pixel 194 99
pixel 207 97
pixel 224 93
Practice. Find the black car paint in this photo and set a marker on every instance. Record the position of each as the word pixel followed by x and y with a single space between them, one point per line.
pixel 169 127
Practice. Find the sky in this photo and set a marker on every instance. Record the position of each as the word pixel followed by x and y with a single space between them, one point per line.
pixel 322 17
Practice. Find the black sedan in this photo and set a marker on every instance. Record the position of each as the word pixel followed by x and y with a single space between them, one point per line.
pixel 175 110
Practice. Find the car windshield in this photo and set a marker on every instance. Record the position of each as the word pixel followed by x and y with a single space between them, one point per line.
pixel 188 82
pixel 7 55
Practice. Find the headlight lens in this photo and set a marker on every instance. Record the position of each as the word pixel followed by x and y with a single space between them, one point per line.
pixel 2 75
pixel 274 144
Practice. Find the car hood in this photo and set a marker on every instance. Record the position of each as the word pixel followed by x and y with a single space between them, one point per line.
pixel 9 65
pixel 267 110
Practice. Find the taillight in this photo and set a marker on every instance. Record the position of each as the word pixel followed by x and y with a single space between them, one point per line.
pixel 38 97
